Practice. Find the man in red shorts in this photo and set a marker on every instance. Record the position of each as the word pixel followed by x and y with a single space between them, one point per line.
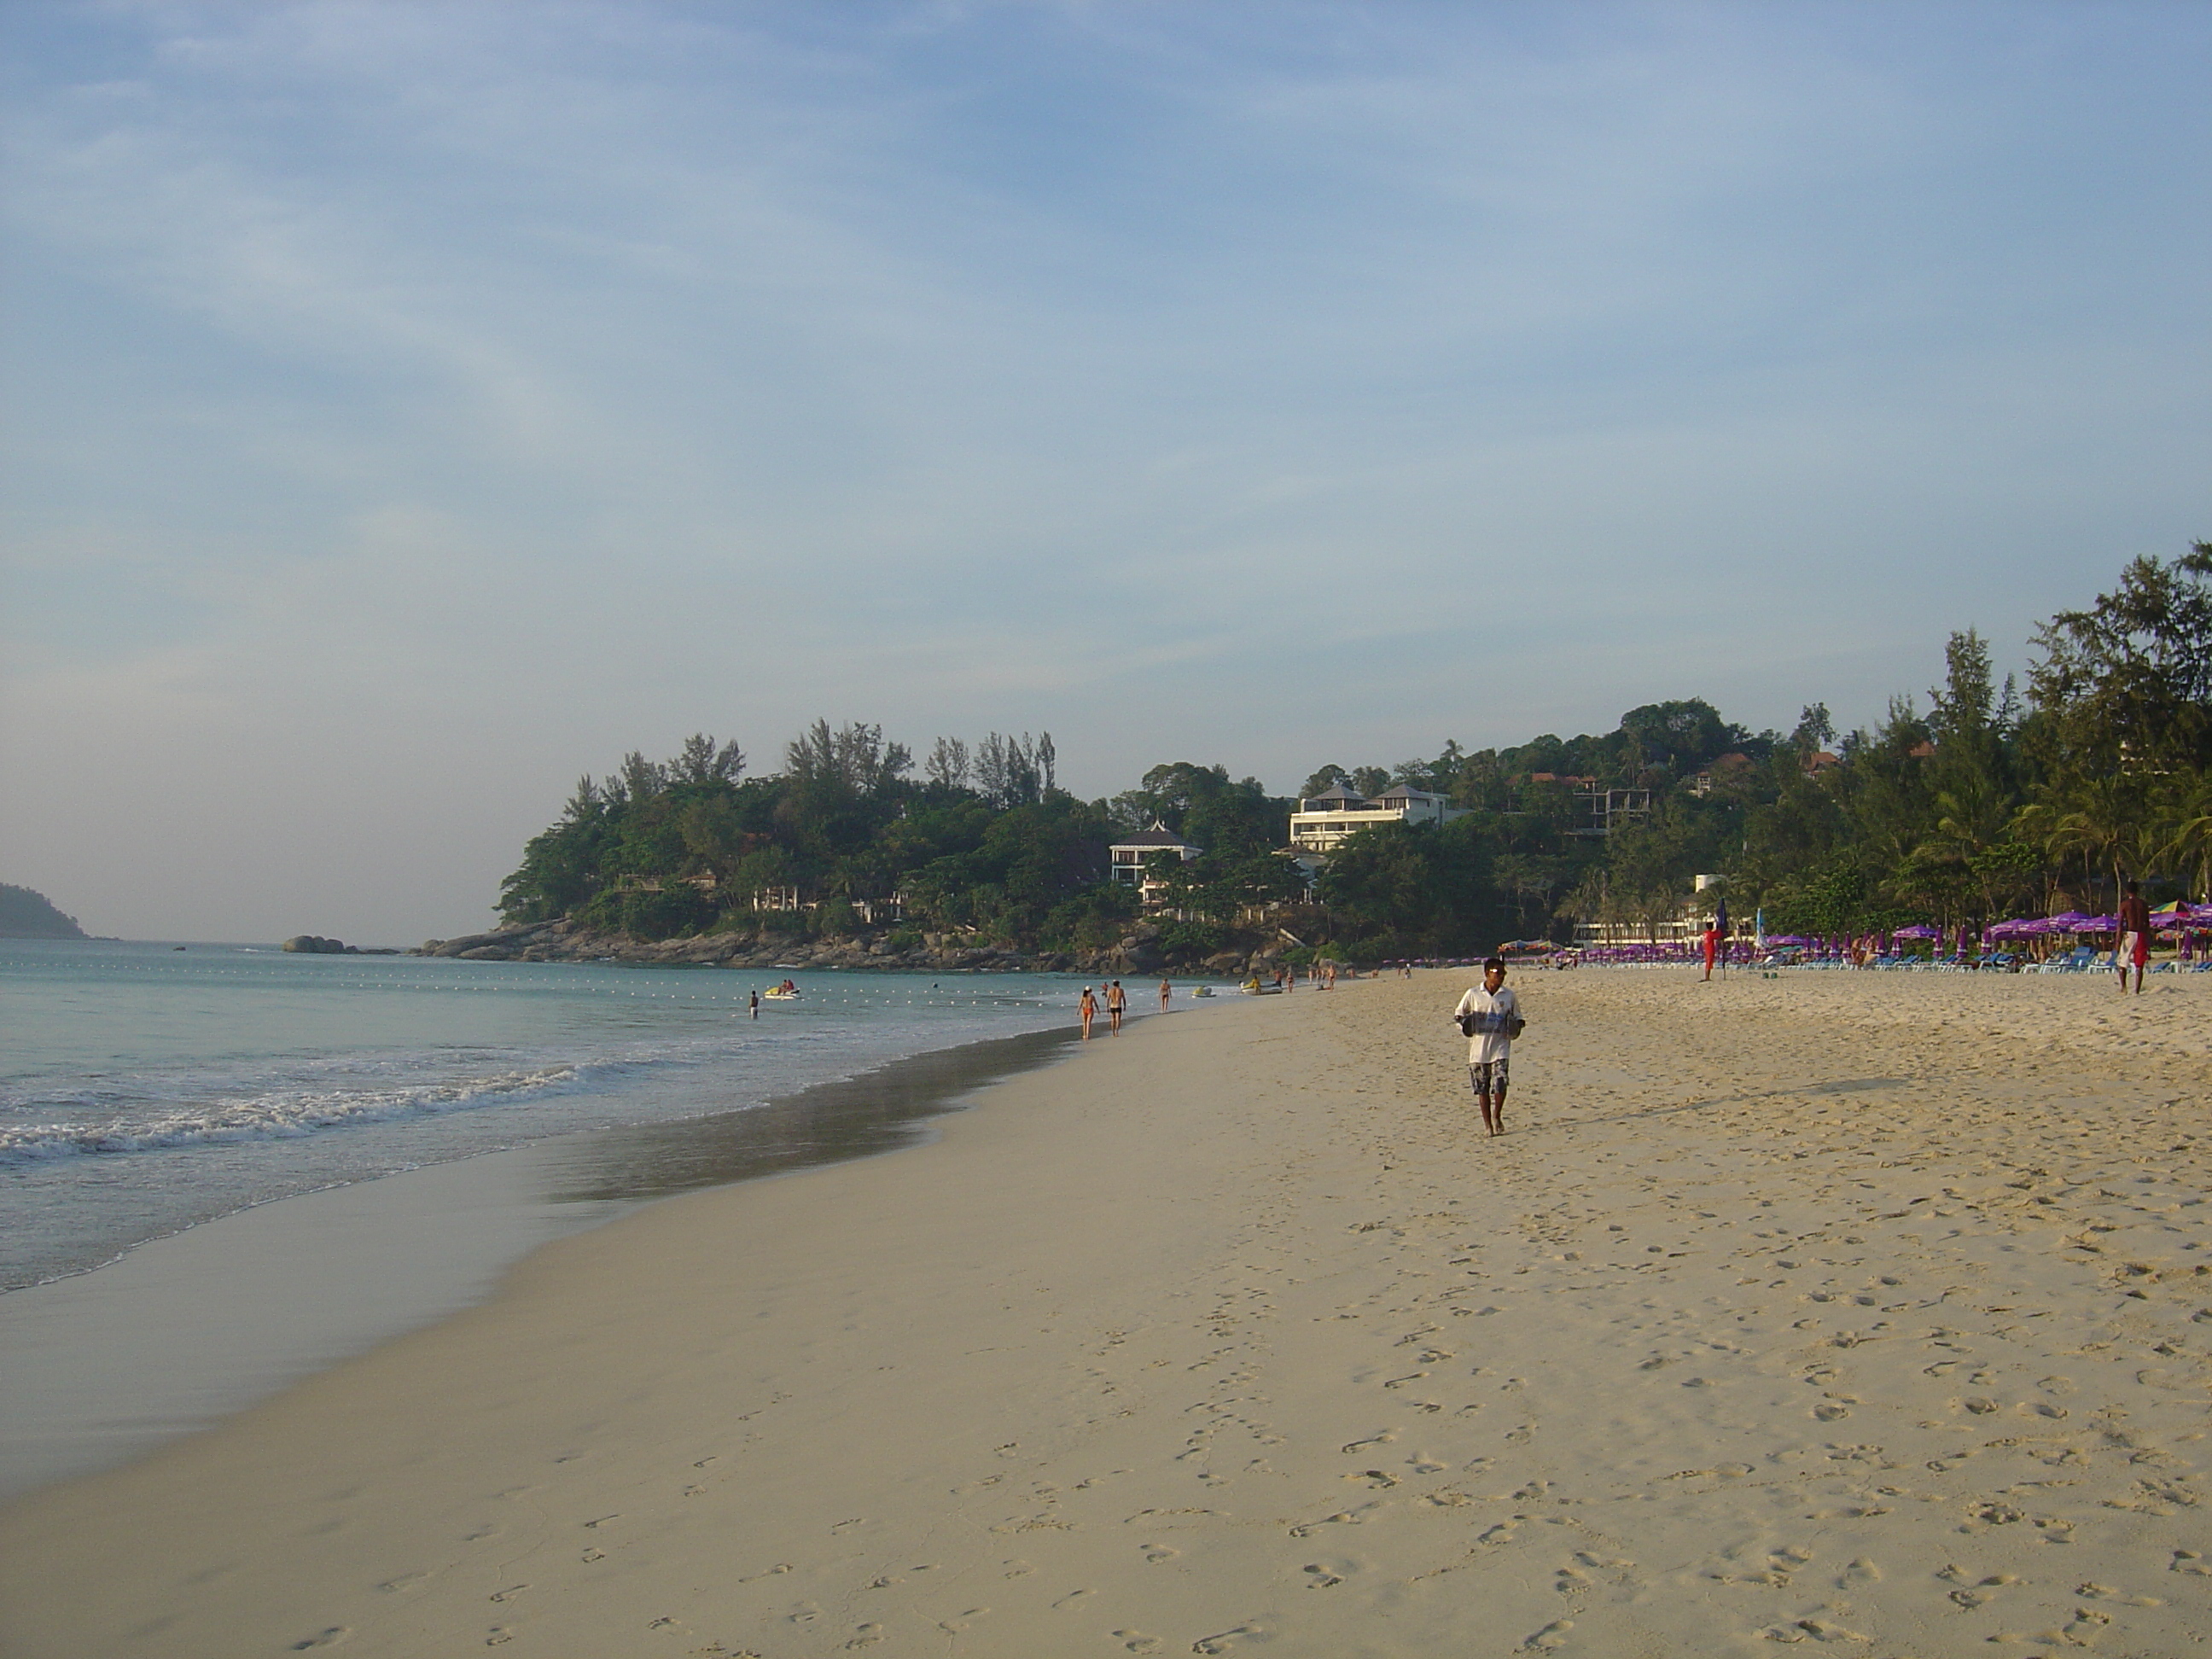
pixel 2135 936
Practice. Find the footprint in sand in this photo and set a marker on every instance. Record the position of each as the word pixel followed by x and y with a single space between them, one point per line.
pixel 1071 1599
pixel 1226 1640
pixel 1552 1636
pixel 1160 1552
pixel 955 1626
pixel 1318 1576
pixel 326 1639
pixel 1136 1641
pixel 499 1634
pixel 1812 1630
pixel 867 1636
pixel 509 1593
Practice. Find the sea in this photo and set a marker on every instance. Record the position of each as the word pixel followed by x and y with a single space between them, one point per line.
pixel 223 1165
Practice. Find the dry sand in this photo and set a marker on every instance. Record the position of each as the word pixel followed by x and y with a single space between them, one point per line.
pixel 1867 1311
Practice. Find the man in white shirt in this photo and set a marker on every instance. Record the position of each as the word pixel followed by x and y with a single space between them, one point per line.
pixel 1488 1014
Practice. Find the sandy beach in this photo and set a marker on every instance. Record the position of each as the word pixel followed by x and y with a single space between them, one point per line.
pixel 1867 1309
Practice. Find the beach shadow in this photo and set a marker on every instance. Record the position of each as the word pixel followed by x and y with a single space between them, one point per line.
pixel 878 1111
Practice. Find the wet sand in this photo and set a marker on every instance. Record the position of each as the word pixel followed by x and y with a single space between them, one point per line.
pixel 1860 1309
pixel 181 1332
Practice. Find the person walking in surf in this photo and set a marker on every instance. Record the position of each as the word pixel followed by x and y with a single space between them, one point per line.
pixel 1117 1004
pixel 1089 1010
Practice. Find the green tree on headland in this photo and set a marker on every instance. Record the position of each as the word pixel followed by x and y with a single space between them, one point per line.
pixel 27 915
pixel 1974 806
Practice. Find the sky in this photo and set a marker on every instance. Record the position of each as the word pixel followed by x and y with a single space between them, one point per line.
pixel 409 408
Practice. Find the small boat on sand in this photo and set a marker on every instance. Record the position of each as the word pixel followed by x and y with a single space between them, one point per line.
pixel 1253 987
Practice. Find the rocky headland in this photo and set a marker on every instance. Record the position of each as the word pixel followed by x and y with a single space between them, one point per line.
pixel 27 914
pixel 1137 952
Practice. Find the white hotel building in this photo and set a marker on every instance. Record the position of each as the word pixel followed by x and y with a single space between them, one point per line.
pixel 1322 821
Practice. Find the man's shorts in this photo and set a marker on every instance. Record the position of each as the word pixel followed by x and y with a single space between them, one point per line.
pixel 2135 948
pixel 1488 1075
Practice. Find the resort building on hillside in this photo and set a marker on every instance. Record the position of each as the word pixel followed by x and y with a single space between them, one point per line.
pixel 1601 812
pixel 1596 812
pixel 1322 821
pixel 1127 858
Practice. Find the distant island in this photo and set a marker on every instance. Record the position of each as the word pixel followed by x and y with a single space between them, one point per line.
pixel 27 914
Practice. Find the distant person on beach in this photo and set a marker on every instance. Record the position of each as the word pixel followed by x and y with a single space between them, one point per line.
pixel 2135 936
pixel 756 1002
pixel 1117 1004
pixel 1712 946
pixel 1167 990
pixel 1486 1014
pixel 1090 1007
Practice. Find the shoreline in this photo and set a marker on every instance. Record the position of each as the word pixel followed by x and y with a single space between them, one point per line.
pixel 1803 1311
pixel 177 1333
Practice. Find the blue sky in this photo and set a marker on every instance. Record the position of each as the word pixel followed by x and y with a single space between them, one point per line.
pixel 412 406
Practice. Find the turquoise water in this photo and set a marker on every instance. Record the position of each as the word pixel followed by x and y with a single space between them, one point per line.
pixel 144 1089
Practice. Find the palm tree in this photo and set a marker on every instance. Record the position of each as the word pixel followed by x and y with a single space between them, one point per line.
pixel 2191 843
pixel 2101 821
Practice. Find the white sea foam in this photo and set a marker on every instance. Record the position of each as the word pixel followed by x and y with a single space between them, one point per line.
pixel 276 1114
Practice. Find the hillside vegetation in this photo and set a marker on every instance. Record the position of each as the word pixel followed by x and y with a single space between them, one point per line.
pixel 1983 801
pixel 27 915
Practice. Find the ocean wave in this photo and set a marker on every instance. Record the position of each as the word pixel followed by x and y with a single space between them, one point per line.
pixel 280 1115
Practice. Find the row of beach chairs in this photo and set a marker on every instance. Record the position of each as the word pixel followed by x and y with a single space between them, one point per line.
pixel 2082 959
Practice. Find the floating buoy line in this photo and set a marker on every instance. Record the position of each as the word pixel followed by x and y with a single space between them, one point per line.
pixel 740 998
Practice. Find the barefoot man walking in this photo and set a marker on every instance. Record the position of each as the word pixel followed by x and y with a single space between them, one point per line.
pixel 1488 1015
pixel 2133 949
